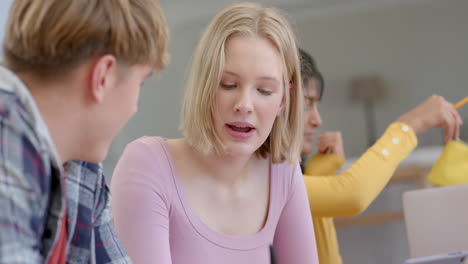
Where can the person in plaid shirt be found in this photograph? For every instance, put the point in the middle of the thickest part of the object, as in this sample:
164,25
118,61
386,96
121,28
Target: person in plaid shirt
70,81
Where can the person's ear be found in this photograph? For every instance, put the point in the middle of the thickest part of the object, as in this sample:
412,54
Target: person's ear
103,74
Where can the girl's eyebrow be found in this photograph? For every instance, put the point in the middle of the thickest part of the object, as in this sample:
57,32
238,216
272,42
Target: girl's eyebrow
263,78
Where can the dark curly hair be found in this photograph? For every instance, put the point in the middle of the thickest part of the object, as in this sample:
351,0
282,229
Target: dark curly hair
309,71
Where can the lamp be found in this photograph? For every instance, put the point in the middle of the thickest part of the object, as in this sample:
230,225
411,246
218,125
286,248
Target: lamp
368,89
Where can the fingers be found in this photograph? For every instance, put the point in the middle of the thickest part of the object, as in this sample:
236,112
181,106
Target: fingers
434,112
458,121
451,121
448,125
323,146
326,141
331,141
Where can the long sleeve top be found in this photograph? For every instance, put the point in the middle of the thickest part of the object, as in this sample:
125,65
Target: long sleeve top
156,223
352,191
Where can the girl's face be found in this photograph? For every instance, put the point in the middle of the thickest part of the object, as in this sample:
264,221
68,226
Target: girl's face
250,94
312,119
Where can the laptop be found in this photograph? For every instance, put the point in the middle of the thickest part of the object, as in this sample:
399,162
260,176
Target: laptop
436,220
450,258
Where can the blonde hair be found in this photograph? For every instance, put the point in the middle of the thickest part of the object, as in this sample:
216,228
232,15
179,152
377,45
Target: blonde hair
197,123
45,37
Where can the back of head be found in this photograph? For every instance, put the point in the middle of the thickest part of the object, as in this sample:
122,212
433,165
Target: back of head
248,19
49,37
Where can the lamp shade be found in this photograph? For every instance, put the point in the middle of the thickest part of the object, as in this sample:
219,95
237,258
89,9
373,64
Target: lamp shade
366,88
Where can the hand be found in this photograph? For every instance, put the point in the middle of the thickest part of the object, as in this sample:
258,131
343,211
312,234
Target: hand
434,112
331,141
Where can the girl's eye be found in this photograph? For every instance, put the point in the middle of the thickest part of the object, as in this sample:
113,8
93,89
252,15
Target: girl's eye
264,92
228,85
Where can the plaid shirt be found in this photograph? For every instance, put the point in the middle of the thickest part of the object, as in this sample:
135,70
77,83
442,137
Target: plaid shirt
32,193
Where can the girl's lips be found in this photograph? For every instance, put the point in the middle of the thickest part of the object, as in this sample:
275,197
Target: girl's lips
241,124
240,130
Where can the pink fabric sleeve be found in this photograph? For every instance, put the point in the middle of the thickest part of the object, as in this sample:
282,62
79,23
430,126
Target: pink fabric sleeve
140,204
294,240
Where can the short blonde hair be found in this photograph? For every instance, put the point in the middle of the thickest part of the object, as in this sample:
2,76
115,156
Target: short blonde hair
47,37
197,123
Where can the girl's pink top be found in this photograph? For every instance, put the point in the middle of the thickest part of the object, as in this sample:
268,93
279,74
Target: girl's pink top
156,223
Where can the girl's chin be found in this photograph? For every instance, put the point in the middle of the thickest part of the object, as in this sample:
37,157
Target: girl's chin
239,149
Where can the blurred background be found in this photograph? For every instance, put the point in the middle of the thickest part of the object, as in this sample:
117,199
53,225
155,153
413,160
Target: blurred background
414,48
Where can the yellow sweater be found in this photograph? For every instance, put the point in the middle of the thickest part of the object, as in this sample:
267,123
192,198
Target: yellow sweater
351,192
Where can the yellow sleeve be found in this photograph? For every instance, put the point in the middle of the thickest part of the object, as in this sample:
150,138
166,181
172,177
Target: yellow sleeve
352,191
323,164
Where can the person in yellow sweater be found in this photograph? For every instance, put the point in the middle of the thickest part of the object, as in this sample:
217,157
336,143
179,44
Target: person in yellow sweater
351,192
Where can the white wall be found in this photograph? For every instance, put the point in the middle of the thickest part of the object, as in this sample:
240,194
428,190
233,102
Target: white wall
4,7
